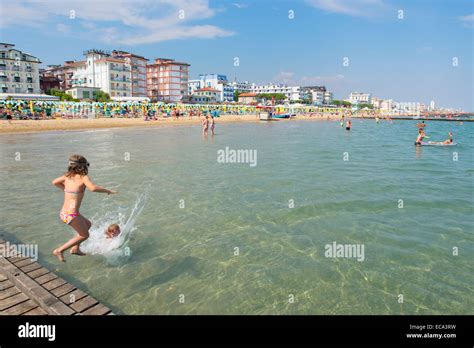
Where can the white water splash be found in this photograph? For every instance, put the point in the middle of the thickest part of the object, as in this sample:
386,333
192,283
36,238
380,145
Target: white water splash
115,250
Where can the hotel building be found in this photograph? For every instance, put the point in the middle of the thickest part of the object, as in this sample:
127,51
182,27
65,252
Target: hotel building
214,81
360,98
138,71
101,70
292,93
167,80
19,71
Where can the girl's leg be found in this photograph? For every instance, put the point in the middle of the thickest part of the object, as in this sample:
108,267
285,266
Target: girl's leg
81,226
75,249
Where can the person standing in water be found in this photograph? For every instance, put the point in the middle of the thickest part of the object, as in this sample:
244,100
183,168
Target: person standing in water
212,124
348,125
74,183
205,125
419,138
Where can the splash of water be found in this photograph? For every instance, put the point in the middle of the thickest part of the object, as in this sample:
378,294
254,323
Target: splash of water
115,250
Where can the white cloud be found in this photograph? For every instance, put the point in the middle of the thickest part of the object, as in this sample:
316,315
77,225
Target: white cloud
468,18
65,29
356,8
240,5
124,21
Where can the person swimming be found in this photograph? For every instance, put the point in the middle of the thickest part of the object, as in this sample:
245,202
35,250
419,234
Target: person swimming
73,184
448,141
112,231
421,125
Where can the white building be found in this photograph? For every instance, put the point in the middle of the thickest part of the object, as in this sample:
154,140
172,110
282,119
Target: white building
292,93
241,87
407,107
432,105
111,75
360,98
19,71
213,81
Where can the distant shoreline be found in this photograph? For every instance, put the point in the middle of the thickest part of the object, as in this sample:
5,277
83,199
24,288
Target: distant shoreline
34,126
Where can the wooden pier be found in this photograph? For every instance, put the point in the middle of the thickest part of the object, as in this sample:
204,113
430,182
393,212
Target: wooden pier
28,288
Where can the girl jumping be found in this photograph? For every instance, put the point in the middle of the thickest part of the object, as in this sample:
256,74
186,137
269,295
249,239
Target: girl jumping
74,183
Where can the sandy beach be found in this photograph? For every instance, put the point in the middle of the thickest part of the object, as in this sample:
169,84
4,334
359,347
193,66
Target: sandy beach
25,126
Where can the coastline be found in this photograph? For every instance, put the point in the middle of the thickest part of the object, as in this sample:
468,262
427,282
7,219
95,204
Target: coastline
34,126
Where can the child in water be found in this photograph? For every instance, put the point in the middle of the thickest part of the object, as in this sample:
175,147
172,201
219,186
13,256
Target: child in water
348,125
74,183
112,231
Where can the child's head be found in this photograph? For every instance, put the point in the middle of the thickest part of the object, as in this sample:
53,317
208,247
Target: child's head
112,231
77,165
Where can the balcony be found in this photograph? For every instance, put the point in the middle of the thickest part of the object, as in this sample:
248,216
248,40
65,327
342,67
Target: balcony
119,68
120,88
16,68
120,79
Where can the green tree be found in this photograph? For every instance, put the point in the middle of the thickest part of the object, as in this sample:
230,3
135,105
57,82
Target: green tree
236,95
362,106
336,102
101,96
269,96
61,94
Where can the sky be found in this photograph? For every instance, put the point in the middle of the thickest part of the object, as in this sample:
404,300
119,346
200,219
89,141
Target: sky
406,50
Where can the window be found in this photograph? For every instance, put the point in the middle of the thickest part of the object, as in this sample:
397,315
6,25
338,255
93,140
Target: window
85,94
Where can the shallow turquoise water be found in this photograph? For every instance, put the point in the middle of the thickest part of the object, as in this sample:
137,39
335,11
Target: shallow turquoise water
190,250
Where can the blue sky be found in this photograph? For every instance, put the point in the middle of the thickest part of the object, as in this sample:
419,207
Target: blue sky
407,59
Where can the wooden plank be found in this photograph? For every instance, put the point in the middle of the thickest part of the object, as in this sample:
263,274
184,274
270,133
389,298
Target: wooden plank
31,267
73,296
13,300
20,308
36,311
16,259
50,303
9,292
38,272
83,304
53,284
98,309
63,290
46,278
5,285
24,263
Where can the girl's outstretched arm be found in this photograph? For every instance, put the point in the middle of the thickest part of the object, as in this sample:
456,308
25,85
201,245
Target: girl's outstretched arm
95,188
59,182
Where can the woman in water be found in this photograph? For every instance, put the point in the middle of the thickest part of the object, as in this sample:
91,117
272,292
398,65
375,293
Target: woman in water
74,183
205,125
419,138
348,125
212,123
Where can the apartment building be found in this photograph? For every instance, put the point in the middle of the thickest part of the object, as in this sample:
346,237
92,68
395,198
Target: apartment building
167,80
19,71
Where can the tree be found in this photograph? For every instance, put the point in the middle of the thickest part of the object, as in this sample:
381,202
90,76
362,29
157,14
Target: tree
101,96
336,102
63,96
269,96
362,106
236,95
